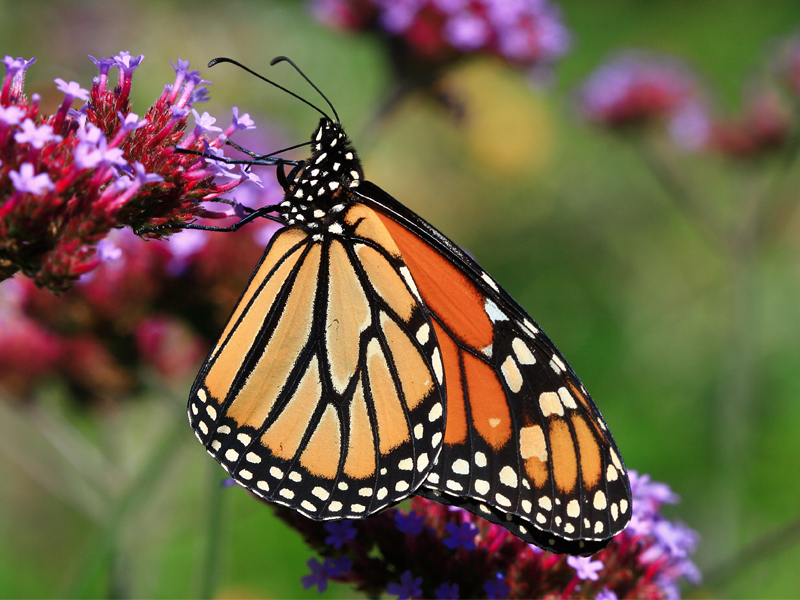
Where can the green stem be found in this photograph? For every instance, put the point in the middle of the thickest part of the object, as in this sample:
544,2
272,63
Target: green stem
736,393
98,558
213,542
682,197
779,203
759,551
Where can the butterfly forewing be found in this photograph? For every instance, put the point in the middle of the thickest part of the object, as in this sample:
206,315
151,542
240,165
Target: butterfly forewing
325,390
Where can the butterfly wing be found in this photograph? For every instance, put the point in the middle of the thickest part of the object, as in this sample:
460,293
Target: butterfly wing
325,390
525,446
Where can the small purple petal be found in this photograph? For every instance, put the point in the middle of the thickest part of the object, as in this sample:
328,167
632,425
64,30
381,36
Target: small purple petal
675,538
244,122
205,122
496,587
606,594
35,136
86,156
248,175
585,567
410,523
25,180
179,113
131,121
11,115
104,64
467,32
199,94
649,496
320,573
17,65
398,16
127,63
91,134
182,67
108,251
318,576
461,535
409,587
446,592
143,176
72,89
93,151
340,532
338,566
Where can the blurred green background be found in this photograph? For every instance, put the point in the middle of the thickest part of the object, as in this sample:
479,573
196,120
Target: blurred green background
693,359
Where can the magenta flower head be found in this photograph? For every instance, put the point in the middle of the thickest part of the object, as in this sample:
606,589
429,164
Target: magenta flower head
636,90
68,179
764,127
438,551
529,33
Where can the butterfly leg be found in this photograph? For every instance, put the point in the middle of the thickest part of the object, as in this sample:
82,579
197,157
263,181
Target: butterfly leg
254,214
263,161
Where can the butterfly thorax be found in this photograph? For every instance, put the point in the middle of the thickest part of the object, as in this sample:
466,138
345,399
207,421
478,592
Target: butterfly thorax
319,188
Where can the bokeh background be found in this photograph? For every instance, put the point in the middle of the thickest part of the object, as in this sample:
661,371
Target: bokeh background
690,347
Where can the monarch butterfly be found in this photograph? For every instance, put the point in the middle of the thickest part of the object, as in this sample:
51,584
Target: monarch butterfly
369,359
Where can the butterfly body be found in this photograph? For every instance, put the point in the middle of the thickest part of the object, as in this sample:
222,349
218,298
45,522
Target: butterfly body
370,359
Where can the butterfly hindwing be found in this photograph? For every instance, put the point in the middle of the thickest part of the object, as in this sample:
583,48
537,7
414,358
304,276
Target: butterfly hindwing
525,446
324,392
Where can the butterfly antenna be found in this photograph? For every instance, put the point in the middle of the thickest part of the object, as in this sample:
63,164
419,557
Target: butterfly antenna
222,59
279,59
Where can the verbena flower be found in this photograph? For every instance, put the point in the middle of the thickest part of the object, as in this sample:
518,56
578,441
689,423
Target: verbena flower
636,90
437,551
764,127
446,592
322,572
340,532
585,567
496,587
529,33
409,587
461,535
68,179
150,308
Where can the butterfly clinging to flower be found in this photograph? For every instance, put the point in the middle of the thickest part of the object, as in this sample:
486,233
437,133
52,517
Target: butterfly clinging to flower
370,359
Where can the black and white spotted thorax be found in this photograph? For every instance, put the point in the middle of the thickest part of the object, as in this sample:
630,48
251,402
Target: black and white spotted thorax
319,188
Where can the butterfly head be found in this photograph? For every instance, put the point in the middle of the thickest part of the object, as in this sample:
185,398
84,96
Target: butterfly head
322,183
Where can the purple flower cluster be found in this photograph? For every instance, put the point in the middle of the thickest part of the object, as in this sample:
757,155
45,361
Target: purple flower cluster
148,309
524,32
68,179
635,91
436,551
764,126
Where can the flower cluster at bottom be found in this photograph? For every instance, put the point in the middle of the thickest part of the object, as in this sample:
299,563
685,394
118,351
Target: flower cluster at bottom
437,551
